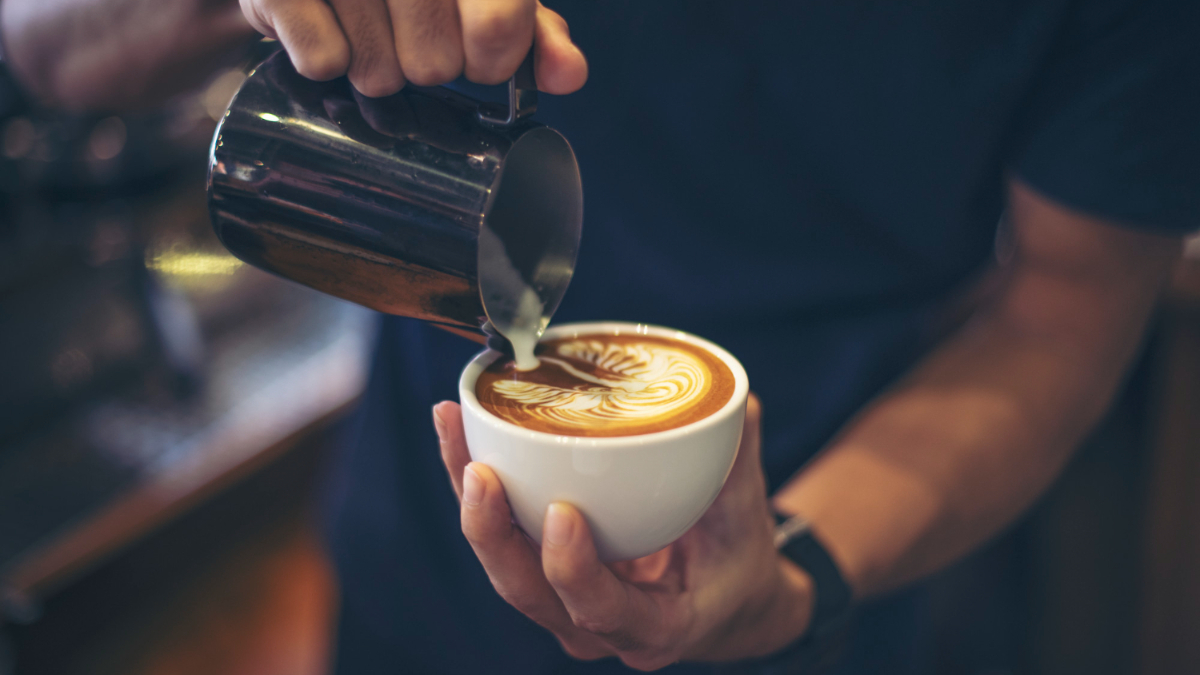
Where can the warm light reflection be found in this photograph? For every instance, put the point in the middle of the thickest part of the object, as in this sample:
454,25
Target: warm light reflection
194,264
269,117
220,92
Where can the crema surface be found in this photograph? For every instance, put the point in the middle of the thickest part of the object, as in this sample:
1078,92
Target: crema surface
608,385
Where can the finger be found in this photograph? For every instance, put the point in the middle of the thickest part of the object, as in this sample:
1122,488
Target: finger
428,40
309,32
625,616
374,70
447,420
559,65
497,35
509,560
647,569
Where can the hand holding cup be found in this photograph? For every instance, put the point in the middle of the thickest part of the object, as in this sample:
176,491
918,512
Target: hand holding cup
718,592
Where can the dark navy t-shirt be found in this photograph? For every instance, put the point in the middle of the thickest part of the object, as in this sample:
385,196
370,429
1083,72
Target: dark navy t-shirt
804,183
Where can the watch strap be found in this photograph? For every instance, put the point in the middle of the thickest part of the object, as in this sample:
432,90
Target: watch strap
833,596
819,648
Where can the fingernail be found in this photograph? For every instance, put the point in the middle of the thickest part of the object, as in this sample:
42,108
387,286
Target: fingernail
472,487
558,525
438,424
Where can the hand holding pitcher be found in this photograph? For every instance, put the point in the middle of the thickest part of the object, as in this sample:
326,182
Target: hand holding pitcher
382,44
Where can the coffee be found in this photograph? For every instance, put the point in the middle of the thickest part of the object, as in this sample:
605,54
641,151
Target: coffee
608,385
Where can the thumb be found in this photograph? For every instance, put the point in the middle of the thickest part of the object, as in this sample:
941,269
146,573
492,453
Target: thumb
560,67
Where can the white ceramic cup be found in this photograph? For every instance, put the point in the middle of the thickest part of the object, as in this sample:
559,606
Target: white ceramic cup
638,493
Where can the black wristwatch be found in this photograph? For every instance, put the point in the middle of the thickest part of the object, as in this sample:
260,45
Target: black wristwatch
818,649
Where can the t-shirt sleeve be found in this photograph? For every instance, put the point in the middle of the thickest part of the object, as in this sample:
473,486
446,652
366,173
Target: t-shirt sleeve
1112,123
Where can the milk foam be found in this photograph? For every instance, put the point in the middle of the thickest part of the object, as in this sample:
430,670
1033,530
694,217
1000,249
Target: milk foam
630,382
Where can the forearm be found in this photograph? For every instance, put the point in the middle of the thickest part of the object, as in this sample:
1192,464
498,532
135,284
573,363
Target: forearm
981,427
117,54
940,464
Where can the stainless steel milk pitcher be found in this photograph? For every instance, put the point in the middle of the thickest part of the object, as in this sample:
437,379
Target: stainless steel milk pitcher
426,204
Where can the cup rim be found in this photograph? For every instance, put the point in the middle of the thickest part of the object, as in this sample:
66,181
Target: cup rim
737,400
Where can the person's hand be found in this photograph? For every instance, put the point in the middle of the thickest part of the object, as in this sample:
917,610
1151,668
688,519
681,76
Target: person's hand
381,44
721,592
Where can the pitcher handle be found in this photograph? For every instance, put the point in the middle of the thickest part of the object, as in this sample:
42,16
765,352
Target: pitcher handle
522,97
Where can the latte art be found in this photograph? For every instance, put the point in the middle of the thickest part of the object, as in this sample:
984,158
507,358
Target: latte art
608,386
641,381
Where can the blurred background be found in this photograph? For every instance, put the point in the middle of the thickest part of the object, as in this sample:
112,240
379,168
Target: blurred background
166,413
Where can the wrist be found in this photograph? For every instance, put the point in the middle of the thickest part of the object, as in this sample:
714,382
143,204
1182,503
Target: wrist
787,629
813,606
796,602
786,614
775,616
836,534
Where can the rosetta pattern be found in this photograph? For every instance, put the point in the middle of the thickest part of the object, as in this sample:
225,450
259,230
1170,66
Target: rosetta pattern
630,383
